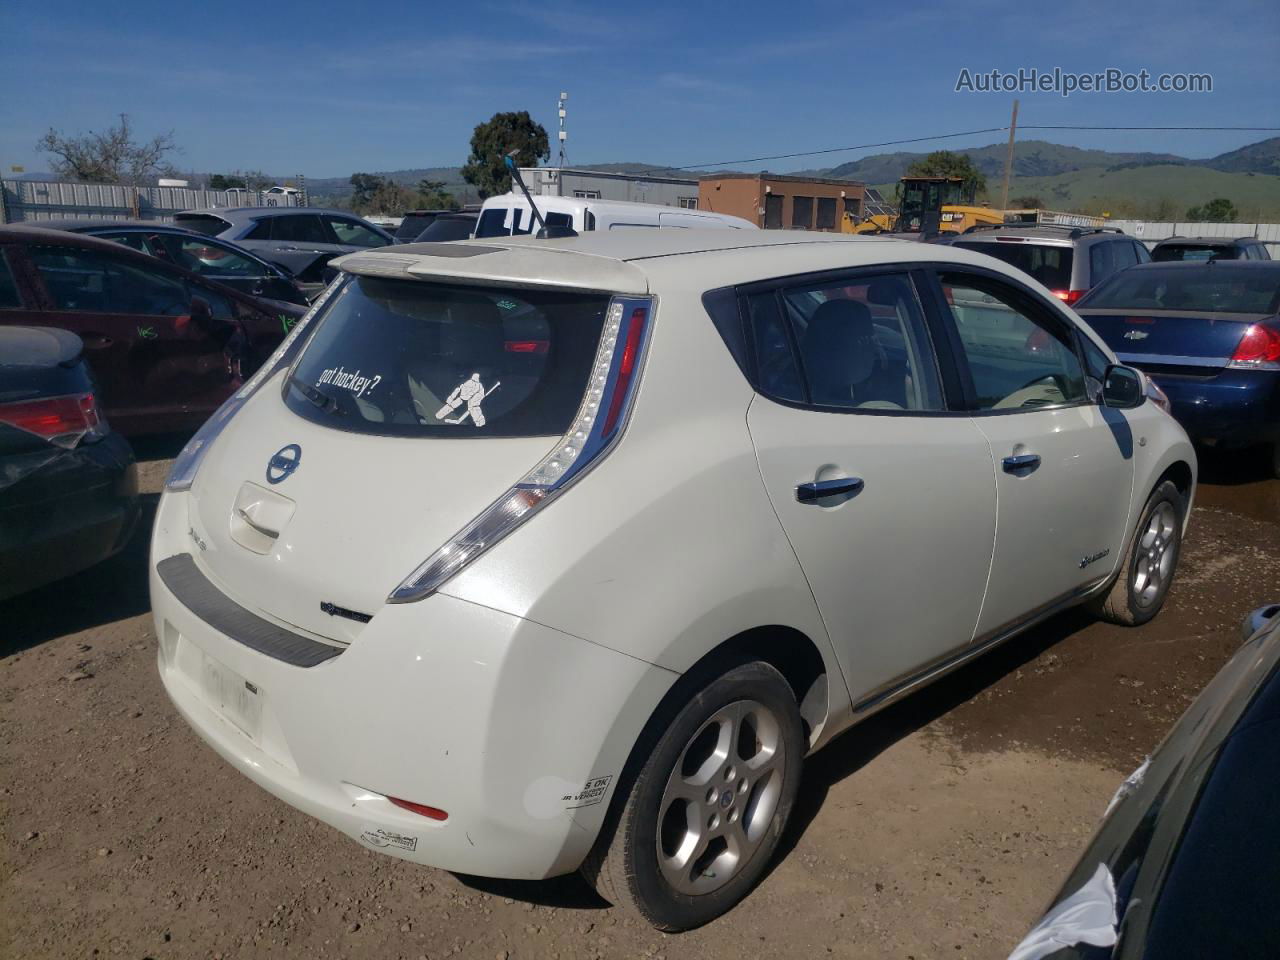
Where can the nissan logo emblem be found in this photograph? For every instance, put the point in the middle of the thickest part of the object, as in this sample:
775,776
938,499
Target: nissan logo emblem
283,462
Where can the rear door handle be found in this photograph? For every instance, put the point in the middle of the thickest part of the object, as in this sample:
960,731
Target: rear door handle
1023,461
820,489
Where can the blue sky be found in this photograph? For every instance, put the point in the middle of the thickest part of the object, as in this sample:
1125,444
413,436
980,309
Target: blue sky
326,89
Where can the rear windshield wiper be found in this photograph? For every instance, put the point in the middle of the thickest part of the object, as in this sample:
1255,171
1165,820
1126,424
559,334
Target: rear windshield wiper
317,397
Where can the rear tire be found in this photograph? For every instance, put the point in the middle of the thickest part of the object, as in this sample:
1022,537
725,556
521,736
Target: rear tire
1140,588
704,815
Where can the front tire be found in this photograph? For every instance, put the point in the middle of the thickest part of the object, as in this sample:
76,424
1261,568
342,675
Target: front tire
704,815
1143,582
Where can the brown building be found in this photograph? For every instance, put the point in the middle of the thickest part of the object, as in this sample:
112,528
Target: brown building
778,202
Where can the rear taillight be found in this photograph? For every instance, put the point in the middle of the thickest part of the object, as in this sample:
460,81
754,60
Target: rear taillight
185,465
611,388
1069,297
1259,348
63,421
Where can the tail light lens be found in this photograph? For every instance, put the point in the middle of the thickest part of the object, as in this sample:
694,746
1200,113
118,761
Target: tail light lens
1069,297
1259,348
591,436
63,421
421,809
185,465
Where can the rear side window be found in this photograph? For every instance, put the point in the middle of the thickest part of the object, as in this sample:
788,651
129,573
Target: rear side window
1047,264
1102,262
9,299
410,359
492,223
300,228
1019,357
776,368
202,223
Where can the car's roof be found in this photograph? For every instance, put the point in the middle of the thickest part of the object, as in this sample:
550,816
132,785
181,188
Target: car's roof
1207,241
1217,266
237,214
621,261
33,233
84,225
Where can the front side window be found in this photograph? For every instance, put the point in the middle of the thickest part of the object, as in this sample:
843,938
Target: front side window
86,281
862,345
355,234
1019,356
207,259
303,228
411,359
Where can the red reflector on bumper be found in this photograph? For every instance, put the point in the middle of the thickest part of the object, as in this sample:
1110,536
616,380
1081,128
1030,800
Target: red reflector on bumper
421,809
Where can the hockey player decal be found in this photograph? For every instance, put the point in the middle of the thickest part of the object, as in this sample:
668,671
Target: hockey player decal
470,392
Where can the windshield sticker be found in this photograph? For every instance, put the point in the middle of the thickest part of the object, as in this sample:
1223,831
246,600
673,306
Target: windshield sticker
469,392
357,384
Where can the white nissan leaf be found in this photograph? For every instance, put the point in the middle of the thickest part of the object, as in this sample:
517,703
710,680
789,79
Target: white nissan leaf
527,556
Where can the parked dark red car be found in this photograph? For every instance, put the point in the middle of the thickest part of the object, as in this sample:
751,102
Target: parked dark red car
166,346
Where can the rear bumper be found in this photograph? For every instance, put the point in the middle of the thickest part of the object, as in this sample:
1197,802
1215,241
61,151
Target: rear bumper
1236,408
501,722
72,510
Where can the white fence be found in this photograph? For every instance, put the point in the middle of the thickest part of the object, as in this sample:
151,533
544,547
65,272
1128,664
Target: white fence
27,201
1149,231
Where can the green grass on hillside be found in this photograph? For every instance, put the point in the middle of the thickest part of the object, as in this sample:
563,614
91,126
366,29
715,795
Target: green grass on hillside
1151,193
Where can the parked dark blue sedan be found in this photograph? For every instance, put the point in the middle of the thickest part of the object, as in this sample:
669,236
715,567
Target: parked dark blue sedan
1209,336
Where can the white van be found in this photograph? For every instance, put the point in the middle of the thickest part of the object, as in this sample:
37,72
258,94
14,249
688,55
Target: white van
509,215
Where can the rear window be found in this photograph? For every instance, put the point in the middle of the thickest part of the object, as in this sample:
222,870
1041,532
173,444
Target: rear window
410,359
411,226
202,223
1049,265
447,228
1194,251
1204,289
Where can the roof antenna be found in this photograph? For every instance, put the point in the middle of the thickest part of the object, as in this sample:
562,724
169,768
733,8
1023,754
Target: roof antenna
544,232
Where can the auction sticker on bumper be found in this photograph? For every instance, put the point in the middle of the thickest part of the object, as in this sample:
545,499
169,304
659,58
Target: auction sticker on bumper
232,695
382,837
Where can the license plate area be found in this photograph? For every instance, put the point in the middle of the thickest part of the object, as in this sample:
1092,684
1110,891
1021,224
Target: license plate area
238,700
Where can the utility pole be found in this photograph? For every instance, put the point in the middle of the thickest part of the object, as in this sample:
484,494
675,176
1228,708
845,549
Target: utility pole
564,135
1008,160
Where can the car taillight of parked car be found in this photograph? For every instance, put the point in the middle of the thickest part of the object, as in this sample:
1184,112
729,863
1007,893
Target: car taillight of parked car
599,422
1069,297
1259,348
63,421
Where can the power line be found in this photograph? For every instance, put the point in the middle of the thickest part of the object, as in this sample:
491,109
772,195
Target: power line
948,136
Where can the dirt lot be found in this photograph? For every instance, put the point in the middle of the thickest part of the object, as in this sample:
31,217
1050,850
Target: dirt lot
937,829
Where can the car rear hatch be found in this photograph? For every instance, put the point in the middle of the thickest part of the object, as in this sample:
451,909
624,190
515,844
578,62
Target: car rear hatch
1182,319
413,407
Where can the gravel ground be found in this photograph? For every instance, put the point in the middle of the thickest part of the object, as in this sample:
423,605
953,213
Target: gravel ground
937,829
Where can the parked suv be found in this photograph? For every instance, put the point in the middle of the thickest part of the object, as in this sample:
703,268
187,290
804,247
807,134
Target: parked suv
526,556
1209,248
1070,261
301,239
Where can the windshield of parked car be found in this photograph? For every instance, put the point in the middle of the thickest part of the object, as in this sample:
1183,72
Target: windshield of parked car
1046,263
412,359
1207,289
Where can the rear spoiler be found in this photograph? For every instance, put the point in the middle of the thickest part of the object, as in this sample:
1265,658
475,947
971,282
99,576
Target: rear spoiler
534,263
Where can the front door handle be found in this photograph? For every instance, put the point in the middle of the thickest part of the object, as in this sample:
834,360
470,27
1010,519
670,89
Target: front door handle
820,489
1023,461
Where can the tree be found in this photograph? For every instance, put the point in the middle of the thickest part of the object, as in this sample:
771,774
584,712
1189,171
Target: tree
363,187
944,163
391,199
492,141
112,156
433,196
219,181
1217,210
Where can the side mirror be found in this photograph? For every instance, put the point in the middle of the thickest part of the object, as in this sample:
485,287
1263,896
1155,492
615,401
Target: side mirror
1258,619
1122,387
